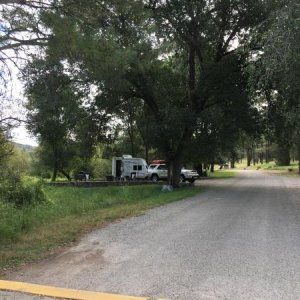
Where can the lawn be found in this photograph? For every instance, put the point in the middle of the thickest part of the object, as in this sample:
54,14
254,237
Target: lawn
272,167
33,233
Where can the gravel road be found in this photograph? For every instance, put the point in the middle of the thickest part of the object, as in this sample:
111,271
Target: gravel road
239,239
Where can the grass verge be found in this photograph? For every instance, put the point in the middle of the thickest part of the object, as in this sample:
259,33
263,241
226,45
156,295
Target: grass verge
30,234
273,168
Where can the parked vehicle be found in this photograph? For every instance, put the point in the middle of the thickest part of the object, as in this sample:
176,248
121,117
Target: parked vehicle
160,172
82,176
157,172
128,167
188,175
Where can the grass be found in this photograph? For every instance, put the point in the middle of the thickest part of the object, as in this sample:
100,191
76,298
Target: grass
272,167
33,233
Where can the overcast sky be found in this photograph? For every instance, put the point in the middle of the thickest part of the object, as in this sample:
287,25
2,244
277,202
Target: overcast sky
21,136
14,107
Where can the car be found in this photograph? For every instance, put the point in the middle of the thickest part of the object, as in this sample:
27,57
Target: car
188,175
160,172
157,172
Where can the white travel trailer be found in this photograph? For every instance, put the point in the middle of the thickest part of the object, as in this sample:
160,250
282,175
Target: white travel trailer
128,167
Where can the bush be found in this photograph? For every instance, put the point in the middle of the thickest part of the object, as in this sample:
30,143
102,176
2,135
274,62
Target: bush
10,222
19,193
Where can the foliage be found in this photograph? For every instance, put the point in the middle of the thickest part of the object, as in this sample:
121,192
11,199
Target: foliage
165,68
52,110
101,166
15,191
171,59
221,128
6,149
276,77
19,162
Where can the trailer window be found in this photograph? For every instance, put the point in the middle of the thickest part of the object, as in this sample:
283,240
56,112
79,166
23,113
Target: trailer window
135,167
140,168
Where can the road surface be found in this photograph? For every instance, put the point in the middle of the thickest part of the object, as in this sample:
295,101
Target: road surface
239,239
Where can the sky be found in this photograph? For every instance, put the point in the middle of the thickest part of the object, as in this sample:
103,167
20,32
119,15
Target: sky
14,107
22,136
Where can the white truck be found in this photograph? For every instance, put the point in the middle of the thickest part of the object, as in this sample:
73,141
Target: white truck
128,167
160,172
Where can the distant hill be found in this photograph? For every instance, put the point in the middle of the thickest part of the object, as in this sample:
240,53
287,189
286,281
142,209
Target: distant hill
26,148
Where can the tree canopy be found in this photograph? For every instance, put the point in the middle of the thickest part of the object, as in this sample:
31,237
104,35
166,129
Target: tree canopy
175,72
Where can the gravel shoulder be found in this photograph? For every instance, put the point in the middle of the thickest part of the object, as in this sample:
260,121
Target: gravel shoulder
239,239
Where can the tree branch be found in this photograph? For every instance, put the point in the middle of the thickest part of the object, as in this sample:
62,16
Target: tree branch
13,119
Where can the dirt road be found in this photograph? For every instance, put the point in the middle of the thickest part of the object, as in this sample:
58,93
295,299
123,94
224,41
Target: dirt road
239,239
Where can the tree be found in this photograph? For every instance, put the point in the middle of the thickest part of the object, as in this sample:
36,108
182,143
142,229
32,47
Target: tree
204,34
21,31
52,112
277,76
66,121
6,149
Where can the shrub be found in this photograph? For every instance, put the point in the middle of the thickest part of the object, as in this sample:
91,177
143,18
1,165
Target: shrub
10,222
19,193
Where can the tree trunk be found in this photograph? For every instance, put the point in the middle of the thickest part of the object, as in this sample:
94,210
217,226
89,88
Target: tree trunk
212,167
65,174
55,163
249,157
261,157
54,174
192,71
146,153
232,163
131,129
175,156
299,158
233,158
283,155
199,169
174,173
268,158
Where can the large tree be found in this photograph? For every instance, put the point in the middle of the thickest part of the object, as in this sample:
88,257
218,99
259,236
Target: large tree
277,77
52,112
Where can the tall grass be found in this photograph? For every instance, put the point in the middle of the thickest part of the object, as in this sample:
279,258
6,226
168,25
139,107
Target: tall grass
26,234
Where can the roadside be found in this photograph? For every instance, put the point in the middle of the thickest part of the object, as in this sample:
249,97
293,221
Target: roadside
271,168
30,234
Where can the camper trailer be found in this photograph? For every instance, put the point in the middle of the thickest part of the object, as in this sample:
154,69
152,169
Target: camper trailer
128,167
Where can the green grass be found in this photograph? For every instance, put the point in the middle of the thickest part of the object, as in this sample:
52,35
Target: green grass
272,167
32,233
